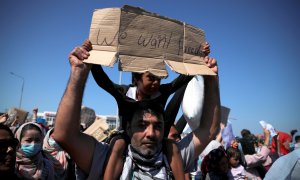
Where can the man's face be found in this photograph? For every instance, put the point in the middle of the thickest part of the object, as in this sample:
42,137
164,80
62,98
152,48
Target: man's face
8,147
147,134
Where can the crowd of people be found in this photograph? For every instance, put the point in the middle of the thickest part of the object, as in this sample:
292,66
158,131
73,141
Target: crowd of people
149,143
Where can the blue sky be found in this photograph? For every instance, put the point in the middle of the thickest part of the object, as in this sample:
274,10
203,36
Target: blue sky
256,44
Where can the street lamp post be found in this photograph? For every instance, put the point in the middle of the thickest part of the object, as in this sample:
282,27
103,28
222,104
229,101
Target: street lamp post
118,118
23,81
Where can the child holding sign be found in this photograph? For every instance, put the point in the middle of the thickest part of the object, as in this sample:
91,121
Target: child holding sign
146,87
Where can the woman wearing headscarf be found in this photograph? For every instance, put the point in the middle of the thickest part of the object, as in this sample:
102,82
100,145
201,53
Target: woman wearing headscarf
58,157
30,162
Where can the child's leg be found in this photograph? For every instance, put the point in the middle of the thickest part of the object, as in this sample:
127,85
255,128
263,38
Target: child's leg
115,162
175,160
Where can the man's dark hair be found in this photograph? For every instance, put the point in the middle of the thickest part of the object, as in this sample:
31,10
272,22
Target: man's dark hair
297,138
148,107
139,108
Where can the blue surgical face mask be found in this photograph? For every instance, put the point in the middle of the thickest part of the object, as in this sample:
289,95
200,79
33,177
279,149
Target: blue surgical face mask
31,149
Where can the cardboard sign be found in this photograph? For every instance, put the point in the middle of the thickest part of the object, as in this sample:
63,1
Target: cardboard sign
99,129
145,41
16,116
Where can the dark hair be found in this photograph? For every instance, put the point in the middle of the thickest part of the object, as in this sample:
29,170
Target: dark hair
245,132
135,77
4,127
247,143
28,127
216,155
211,161
137,109
148,107
297,138
233,152
260,140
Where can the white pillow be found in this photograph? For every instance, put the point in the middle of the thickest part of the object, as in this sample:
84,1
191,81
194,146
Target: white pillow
192,102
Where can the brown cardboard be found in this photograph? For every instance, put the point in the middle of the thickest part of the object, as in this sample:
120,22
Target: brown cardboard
99,129
16,116
145,41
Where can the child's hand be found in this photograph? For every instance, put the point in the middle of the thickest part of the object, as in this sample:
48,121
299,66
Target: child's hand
211,63
206,49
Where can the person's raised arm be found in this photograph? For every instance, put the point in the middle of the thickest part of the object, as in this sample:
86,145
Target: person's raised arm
267,137
211,116
67,126
259,158
219,135
104,82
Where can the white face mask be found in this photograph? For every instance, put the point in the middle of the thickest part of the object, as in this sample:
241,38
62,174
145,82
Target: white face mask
257,149
53,143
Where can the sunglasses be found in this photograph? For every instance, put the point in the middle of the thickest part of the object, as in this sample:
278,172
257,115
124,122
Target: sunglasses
5,143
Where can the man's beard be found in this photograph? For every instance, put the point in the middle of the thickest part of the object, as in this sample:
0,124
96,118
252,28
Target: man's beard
147,153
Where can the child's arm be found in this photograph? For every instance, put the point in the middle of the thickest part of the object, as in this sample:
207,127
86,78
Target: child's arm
104,82
175,160
219,136
172,110
115,162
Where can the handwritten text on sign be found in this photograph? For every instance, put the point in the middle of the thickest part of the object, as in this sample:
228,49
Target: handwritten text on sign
145,41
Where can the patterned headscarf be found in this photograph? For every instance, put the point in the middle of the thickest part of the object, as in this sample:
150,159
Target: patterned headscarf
137,166
57,155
